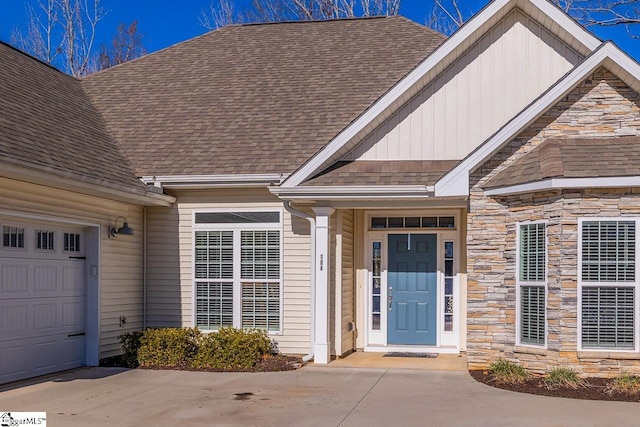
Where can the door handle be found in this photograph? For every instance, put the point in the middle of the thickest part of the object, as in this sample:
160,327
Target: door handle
390,299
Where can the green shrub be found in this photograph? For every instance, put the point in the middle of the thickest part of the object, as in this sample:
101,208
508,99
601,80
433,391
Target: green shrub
232,349
625,384
563,377
507,372
130,344
168,347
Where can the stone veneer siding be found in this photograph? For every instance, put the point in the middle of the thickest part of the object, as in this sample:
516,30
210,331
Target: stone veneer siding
602,106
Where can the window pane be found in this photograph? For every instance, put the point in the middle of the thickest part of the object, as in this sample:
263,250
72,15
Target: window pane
260,255
12,237
375,285
532,315
378,222
214,255
532,253
608,317
446,222
396,222
237,217
261,306
608,251
214,305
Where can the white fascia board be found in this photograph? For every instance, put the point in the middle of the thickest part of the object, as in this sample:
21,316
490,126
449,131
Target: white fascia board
445,49
456,181
354,192
565,21
69,182
212,181
566,183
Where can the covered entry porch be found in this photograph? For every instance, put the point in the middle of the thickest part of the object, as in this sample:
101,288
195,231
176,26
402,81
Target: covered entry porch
387,276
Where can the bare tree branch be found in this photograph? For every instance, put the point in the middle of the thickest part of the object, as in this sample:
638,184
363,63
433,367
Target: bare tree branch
221,12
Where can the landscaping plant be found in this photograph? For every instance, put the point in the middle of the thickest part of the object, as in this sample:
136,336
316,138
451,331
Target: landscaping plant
130,344
625,384
563,377
506,372
232,349
168,347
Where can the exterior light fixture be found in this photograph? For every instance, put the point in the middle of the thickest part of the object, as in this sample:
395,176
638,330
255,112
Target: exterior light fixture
124,230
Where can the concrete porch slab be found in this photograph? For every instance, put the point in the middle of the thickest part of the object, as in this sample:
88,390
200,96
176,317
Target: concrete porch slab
361,359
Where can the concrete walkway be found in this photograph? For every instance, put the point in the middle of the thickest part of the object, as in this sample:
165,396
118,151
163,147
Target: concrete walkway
307,397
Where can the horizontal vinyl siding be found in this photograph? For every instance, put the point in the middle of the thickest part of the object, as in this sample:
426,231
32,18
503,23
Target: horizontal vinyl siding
170,262
348,314
471,99
121,259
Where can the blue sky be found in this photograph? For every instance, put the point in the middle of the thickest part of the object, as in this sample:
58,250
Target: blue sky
166,22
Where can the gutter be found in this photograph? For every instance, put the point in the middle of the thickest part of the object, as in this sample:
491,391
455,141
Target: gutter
359,192
312,296
63,180
144,268
214,181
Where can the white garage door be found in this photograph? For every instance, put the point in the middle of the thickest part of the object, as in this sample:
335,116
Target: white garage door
42,299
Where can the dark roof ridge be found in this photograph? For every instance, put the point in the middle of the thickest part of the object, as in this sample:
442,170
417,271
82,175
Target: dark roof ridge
251,24
28,55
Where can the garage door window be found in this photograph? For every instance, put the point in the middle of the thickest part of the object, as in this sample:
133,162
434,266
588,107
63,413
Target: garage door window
44,240
12,237
71,242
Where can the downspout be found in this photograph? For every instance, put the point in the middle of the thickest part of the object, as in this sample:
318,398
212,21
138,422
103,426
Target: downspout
144,268
312,296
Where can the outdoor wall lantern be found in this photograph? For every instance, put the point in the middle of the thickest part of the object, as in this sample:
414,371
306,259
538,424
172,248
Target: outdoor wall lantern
124,230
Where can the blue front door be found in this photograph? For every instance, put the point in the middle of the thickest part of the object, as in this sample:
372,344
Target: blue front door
412,289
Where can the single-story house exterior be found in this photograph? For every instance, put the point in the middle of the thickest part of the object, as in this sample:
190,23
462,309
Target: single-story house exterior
345,185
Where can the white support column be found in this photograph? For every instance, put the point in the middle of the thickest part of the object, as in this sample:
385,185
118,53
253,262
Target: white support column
322,353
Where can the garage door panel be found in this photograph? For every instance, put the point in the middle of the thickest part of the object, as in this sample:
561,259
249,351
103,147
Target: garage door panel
72,348
15,319
73,315
14,361
45,278
14,280
44,354
45,316
72,279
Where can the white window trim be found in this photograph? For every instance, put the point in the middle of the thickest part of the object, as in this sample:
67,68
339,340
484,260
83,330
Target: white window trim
237,280
26,237
521,283
636,329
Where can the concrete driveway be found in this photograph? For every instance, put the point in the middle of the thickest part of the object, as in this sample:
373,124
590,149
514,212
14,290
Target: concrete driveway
312,396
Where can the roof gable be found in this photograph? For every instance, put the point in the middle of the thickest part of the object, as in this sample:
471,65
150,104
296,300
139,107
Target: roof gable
403,91
456,182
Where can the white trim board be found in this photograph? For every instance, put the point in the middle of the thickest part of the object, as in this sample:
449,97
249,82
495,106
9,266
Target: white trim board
371,192
209,181
569,183
456,182
404,88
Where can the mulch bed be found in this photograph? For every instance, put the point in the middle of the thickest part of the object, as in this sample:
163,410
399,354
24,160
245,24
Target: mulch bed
596,389
271,363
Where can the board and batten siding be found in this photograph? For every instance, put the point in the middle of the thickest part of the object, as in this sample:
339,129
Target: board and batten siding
121,260
341,283
170,261
498,76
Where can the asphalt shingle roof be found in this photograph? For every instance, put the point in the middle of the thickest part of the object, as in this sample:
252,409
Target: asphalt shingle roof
573,158
47,121
363,172
253,98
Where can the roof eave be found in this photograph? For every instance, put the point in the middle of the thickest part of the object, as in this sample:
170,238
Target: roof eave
564,184
194,182
84,185
385,192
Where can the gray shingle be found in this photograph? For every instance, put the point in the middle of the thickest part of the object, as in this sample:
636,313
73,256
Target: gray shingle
573,158
46,120
362,172
254,98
